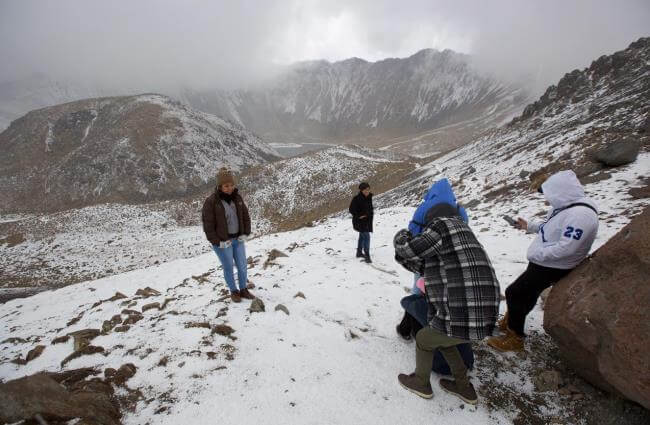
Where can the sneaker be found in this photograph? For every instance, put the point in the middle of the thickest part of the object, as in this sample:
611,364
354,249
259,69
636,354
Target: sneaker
467,394
247,295
508,342
413,384
235,297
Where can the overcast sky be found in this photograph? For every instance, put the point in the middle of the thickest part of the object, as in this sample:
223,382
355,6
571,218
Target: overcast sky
214,43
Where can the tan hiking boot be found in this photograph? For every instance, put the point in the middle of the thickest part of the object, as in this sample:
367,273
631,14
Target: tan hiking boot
235,297
508,342
503,323
466,393
247,295
413,384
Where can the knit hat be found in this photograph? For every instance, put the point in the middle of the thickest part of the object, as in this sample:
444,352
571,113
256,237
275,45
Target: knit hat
225,176
363,186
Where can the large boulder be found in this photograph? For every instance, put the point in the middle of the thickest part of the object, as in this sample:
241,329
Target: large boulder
599,314
43,395
619,153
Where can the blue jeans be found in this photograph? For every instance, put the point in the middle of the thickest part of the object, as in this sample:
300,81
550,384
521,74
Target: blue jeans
234,253
364,242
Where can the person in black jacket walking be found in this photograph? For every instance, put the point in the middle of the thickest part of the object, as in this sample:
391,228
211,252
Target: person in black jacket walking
362,213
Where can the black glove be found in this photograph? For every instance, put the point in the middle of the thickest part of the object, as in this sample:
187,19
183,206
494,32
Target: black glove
402,237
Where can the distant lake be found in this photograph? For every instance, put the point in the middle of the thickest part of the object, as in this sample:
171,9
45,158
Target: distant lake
288,150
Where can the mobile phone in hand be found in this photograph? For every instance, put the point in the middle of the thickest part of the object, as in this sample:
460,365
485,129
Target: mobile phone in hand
510,221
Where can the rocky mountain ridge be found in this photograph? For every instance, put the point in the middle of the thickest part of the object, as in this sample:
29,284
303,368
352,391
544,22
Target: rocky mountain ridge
359,101
120,149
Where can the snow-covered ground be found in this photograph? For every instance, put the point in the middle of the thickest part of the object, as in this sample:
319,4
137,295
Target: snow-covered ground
334,359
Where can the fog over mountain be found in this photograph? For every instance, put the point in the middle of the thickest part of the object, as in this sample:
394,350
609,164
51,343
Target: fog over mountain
161,45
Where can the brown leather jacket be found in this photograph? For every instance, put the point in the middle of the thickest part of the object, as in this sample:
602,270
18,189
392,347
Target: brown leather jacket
214,218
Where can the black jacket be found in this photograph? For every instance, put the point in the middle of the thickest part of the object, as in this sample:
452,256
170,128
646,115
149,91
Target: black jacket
362,206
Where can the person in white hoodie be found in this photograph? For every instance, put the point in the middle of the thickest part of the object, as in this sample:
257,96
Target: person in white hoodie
563,240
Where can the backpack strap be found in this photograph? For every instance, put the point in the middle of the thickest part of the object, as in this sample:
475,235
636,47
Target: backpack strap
577,204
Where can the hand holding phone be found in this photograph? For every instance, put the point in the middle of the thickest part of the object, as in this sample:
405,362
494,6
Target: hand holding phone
511,221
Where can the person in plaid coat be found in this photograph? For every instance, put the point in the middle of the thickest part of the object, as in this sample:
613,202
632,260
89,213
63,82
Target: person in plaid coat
462,291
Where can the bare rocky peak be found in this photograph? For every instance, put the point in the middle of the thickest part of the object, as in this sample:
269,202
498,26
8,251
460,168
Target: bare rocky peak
356,100
124,149
590,114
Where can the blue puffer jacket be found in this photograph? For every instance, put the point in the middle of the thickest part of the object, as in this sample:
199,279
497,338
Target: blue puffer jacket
440,192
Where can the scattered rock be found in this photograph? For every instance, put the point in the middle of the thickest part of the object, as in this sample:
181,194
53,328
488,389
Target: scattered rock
150,306
167,301
129,312
273,255
34,353
257,306
300,295
117,296
14,340
123,374
281,307
133,319
523,174
60,339
250,285
204,325
163,361
619,153
84,351
548,380
599,327
74,320
83,337
147,292
122,328
224,330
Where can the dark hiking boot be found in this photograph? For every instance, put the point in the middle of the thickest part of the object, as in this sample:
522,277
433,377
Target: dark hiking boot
359,253
405,337
244,293
367,259
465,393
404,327
413,384
235,297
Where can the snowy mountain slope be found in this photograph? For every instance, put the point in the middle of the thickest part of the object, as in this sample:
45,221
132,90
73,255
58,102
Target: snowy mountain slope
603,105
363,102
52,250
38,91
125,149
334,359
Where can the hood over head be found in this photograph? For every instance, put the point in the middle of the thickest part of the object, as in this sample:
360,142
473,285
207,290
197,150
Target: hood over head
563,188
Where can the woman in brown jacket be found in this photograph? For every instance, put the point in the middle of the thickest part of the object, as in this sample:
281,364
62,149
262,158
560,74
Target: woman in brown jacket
227,225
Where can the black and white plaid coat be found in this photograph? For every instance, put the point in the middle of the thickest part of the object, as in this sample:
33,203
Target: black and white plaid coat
460,284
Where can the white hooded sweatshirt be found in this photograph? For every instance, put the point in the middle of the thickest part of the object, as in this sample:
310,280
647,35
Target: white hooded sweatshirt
565,237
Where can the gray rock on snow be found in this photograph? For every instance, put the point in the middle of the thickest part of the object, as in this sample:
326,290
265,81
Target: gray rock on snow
257,306
619,153
281,307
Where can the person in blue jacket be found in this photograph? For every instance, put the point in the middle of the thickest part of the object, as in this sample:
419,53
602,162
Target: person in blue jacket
439,193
